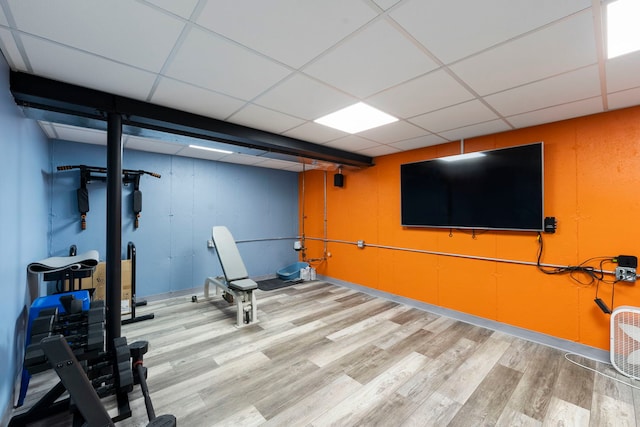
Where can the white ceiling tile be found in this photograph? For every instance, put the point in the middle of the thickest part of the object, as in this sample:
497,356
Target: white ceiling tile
258,117
479,129
372,60
10,51
69,65
426,93
386,4
556,49
532,61
273,164
557,113
183,8
352,143
316,164
295,167
623,99
314,132
183,96
381,150
562,89
318,100
79,134
242,159
125,31
454,29
212,62
152,145
457,116
393,132
623,72
420,142
289,31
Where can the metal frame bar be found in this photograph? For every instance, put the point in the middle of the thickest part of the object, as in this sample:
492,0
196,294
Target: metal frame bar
114,227
51,100
75,380
241,298
448,254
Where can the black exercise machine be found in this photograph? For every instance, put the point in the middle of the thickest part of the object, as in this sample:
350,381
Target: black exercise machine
135,302
109,371
73,344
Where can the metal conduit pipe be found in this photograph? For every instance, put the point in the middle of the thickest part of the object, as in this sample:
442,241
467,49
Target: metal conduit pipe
267,239
324,251
325,226
474,257
304,174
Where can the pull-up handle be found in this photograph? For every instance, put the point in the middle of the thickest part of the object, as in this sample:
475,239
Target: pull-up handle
88,173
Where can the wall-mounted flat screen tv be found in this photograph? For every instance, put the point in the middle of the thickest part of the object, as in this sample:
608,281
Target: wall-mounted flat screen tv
499,189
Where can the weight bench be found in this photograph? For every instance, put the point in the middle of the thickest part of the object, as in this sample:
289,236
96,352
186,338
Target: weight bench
235,284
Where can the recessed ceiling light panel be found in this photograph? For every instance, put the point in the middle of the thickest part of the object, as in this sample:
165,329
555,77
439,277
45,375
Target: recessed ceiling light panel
623,30
356,118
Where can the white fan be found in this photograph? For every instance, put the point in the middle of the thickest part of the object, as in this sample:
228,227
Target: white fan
625,340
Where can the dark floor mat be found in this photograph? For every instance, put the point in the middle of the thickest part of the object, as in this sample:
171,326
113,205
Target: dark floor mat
271,284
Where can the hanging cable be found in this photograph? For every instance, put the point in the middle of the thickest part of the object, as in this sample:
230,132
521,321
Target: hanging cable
594,275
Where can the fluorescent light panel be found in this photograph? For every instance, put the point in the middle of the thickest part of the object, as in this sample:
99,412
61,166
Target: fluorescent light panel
217,150
623,28
458,157
356,118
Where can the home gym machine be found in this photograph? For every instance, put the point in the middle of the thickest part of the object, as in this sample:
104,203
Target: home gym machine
71,341
116,366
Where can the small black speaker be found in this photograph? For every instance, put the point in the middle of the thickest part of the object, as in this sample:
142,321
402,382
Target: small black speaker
338,180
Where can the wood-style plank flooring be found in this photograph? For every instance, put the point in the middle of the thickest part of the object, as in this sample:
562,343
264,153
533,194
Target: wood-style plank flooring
324,355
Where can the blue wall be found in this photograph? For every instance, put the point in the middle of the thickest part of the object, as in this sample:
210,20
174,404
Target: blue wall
39,218
24,232
178,212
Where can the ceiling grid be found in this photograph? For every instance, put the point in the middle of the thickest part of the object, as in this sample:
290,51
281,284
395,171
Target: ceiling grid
447,70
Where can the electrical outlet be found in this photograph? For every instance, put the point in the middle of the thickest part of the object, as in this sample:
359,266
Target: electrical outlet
360,244
626,274
210,243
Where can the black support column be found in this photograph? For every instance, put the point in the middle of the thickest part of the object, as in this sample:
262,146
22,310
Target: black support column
114,227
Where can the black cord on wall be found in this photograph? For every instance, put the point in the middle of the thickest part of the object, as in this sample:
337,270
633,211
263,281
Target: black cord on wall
578,272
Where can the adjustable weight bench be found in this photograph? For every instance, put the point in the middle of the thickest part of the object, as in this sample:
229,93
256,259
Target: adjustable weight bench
235,284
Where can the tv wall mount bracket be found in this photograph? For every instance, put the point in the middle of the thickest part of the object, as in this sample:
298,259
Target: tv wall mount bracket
93,173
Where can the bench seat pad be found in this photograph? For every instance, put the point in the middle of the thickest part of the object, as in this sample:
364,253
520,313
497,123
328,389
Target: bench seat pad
243,284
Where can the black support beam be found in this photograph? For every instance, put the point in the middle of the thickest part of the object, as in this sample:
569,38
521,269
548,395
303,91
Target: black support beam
51,100
114,227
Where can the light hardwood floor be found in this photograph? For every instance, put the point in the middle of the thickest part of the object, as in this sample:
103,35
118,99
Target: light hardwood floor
326,355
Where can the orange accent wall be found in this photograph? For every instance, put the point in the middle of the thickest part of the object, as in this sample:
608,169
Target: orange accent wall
592,178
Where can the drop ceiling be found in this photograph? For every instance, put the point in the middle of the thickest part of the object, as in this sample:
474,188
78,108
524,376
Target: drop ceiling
449,70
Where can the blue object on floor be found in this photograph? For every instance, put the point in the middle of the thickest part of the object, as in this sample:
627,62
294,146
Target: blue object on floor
40,304
50,301
292,272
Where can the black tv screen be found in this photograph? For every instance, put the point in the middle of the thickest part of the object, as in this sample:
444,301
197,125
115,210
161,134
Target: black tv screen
502,190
